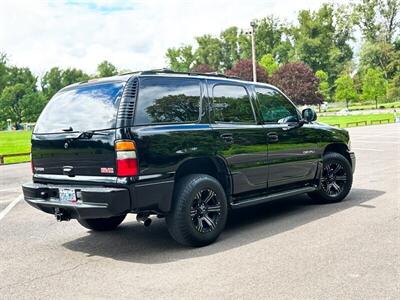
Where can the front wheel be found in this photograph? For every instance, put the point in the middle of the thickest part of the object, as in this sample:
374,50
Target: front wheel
199,211
336,179
102,224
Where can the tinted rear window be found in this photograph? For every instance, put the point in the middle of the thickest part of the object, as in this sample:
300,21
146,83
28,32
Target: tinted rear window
168,100
82,108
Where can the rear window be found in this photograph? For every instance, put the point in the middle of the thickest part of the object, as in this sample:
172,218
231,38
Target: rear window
168,100
82,108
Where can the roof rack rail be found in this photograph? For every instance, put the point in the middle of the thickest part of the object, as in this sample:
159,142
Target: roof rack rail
168,71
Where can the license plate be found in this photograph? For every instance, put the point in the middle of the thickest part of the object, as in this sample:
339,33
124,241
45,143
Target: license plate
67,195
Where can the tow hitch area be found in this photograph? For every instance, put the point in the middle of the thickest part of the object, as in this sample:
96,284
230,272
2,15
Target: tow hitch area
61,215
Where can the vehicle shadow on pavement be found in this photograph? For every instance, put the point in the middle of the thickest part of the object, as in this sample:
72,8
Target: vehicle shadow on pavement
133,242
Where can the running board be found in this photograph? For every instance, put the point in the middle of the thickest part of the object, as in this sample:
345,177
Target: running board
267,198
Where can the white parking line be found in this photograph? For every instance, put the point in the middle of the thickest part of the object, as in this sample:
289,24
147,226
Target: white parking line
367,149
9,207
9,189
375,142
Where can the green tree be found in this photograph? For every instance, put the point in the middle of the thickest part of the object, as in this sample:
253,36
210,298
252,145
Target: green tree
378,19
272,36
17,75
389,11
180,59
209,51
269,64
380,55
323,87
393,90
230,52
52,82
32,105
55,79
19,103
106,69
72,75
367,19
374,85
345,90
322,39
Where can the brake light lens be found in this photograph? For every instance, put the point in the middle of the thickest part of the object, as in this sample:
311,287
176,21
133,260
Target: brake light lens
127,163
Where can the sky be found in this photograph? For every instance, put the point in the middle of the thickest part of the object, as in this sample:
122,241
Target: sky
131,34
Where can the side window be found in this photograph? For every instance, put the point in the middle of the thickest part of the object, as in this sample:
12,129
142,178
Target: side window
275,108
231,103
168,100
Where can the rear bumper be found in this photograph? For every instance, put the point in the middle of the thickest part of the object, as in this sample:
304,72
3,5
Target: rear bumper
353,161
94,201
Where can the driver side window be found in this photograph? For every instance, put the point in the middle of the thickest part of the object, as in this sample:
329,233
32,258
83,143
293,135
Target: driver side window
275,108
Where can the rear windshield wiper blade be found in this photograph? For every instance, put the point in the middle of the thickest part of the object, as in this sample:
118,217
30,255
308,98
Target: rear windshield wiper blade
87,134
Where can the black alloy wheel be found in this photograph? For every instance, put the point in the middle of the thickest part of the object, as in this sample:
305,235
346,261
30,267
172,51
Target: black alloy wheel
336,179
333,179
205,211
199,211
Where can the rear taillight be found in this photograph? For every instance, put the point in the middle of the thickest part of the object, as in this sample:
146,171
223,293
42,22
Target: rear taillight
127,164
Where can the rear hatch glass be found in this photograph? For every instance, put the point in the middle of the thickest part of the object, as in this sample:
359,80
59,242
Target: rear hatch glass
90,107
57,141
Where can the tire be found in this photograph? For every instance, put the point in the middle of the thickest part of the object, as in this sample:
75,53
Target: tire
336,179
102,224
199,211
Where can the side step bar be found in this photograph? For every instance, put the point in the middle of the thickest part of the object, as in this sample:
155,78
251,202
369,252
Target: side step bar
267,198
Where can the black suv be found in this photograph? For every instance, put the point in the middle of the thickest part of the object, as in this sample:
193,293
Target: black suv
185,146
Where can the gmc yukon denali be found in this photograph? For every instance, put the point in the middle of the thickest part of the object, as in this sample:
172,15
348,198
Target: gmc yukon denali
188,147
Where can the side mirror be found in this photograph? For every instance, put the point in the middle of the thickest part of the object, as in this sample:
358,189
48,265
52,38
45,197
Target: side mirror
309,114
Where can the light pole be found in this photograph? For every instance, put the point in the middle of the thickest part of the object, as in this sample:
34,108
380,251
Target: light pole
253,48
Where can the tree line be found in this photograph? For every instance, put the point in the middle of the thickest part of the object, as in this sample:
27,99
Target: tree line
317,59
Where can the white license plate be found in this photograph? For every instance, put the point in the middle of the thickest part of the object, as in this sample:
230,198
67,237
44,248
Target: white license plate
67,195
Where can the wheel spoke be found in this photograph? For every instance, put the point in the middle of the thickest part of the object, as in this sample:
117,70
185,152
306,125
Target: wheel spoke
193,212
329,188
214,208
209,221
336,186
210,195
198,196
337,169
200,224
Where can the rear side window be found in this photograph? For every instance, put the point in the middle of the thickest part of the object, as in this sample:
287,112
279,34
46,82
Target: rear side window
81,108
275,108
168,100
231,104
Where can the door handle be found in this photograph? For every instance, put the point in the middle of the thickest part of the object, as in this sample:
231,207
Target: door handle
227,137
272,137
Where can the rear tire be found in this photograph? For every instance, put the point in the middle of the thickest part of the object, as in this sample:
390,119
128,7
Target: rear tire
336,179
102,224
199,211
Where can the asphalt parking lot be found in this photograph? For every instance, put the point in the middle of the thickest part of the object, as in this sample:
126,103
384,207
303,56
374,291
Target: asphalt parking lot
287,249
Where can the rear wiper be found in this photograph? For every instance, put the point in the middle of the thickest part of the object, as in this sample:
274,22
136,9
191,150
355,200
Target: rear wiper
86,135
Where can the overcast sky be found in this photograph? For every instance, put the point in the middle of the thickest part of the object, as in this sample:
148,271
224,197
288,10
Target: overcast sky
131,34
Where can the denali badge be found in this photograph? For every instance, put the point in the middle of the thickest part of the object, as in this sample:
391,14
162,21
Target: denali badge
107,170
